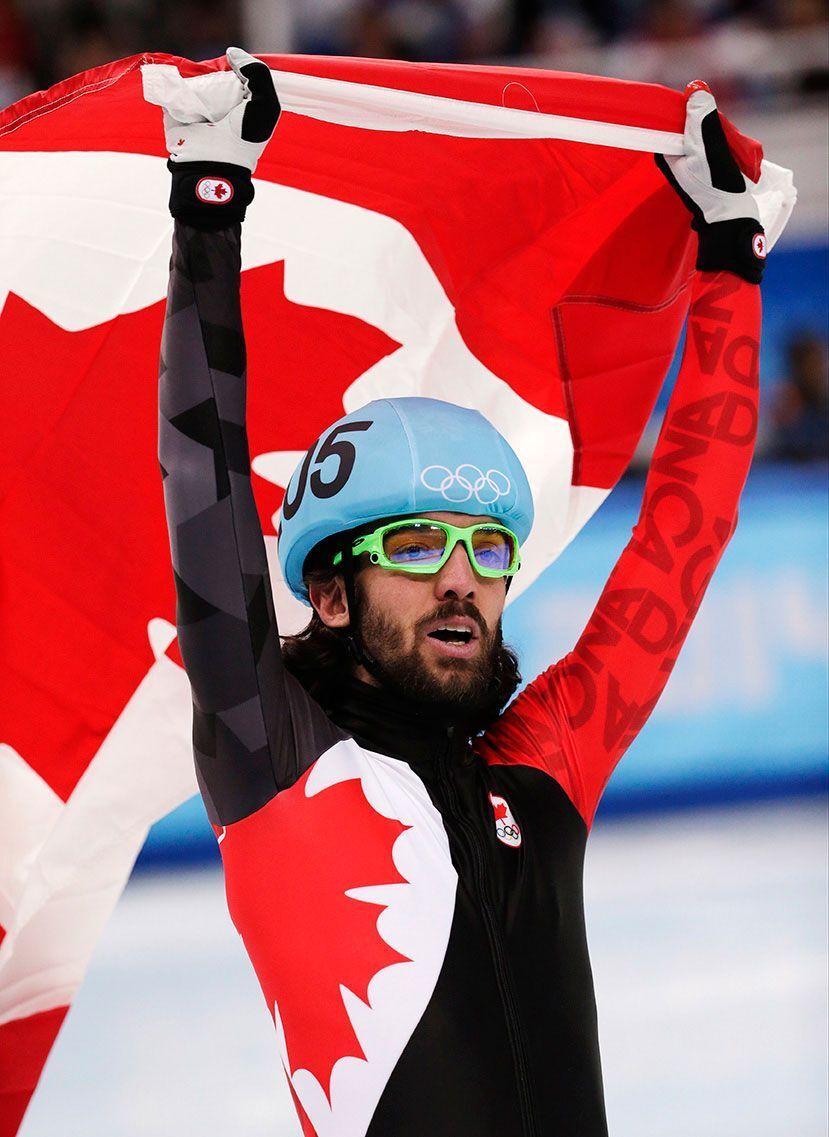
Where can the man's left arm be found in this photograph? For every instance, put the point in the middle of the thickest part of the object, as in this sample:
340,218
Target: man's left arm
606,688
578,718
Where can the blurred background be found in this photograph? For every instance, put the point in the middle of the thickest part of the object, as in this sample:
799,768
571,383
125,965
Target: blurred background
707,876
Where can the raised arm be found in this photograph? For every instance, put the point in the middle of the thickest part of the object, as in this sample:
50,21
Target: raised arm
578,718
226,625
606,688
244,703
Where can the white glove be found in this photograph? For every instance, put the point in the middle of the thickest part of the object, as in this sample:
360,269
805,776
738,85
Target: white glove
216,133
197,133
713,187
707,171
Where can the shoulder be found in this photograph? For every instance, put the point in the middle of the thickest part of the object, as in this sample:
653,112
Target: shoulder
529,730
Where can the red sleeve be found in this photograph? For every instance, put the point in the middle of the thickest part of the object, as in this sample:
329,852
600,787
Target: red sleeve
576,720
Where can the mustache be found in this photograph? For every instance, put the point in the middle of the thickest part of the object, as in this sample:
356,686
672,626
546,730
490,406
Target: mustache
452,608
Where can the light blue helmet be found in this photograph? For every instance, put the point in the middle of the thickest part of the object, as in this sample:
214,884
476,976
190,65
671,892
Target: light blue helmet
398,458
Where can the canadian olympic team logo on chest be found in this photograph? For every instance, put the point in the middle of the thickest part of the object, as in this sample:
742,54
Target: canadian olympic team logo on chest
507,829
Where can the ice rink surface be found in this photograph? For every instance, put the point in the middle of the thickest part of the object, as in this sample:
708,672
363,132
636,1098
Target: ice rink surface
708,936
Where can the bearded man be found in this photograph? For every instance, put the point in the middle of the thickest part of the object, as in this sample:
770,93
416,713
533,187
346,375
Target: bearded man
403,856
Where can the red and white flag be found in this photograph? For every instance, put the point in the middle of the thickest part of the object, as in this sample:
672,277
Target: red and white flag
496,237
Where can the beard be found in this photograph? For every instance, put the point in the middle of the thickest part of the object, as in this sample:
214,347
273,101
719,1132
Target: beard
464,689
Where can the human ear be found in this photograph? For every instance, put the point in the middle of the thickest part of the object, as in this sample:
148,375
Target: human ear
330,601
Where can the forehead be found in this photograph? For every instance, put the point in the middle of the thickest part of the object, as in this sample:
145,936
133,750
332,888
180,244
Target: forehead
459,519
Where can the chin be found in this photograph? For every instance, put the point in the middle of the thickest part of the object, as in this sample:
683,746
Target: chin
448,669
457,681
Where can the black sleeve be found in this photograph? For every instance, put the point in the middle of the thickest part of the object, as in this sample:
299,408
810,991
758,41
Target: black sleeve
255,730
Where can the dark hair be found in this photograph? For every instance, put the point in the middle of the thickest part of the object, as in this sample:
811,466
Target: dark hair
319,656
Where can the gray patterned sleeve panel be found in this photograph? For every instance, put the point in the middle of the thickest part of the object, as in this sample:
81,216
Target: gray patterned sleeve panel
255,730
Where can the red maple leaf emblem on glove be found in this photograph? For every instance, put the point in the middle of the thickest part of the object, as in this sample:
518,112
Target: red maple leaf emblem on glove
219,191
289,868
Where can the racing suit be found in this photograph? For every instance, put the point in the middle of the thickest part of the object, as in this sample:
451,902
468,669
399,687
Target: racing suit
411,898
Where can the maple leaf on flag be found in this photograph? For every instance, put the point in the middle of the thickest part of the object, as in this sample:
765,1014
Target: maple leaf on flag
86,555
311,937
63,462
63,466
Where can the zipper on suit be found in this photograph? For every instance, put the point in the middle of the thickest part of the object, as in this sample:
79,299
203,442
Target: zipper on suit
499,958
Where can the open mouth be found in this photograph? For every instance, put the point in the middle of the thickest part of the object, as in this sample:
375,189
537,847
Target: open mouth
450,635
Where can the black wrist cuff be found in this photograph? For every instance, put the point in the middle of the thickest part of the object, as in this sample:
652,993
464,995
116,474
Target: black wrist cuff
732,246
209,195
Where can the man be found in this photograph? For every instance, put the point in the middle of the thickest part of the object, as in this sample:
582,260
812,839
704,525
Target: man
403,857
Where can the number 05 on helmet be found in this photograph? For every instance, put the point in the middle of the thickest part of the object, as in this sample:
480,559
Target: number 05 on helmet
400,458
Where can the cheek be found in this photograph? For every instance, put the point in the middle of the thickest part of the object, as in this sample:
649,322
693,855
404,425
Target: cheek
398,598
491,602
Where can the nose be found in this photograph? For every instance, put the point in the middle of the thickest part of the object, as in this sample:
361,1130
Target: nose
457,579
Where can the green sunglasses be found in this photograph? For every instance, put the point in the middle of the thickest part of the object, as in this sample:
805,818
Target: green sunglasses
419,545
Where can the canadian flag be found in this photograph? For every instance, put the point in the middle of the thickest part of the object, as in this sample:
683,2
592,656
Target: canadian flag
496,237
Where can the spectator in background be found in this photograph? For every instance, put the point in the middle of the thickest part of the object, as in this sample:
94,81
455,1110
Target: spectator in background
808,15
669,21
88,38
201,29
15,55
800,416
421,30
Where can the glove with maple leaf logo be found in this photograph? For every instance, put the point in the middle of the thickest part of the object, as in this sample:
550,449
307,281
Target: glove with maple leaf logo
712,186
216,129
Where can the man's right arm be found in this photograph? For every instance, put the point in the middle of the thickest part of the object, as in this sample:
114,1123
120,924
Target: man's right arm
255,730
226,624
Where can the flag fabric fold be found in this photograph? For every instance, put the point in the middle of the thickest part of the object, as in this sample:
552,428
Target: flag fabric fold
496,237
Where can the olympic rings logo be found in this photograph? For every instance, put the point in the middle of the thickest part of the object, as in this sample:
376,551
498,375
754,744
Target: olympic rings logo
466,482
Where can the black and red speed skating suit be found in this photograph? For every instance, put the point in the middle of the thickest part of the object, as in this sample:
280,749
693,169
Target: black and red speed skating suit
411,900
